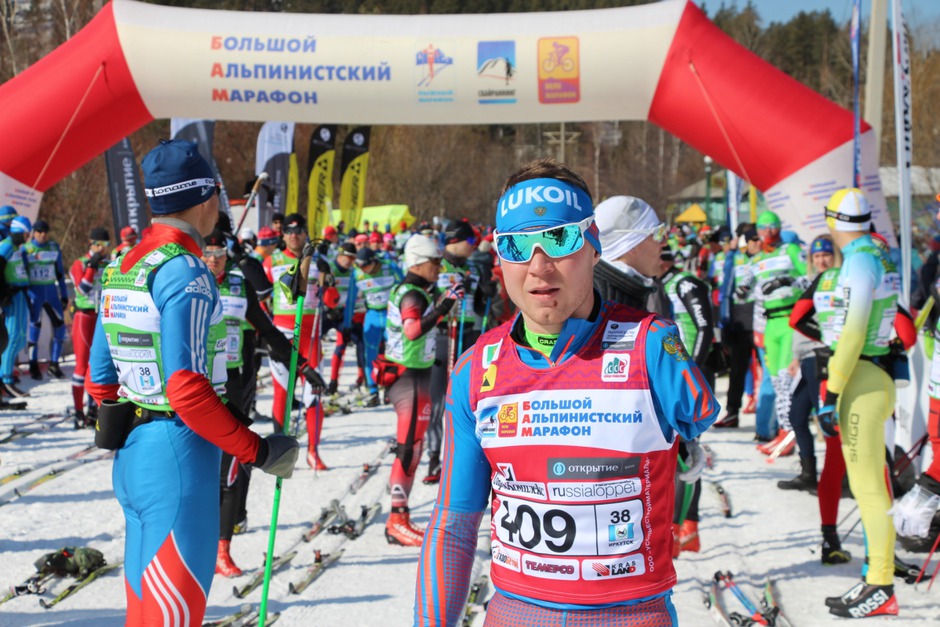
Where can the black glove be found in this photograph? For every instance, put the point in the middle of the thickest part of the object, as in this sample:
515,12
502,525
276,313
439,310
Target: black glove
309,250
741,292
323,266
772,286
277,455
324,248
94,261
65,302
313,378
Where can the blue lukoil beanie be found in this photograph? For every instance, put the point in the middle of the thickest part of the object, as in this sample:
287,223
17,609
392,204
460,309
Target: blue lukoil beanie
536,204
176,177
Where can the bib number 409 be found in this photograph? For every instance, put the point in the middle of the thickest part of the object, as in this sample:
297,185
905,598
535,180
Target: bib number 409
522,525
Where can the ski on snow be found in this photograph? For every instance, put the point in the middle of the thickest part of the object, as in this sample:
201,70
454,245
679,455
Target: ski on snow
21,432
767,612
246,616
57,470
320,563
723,499
81,583
257,578
372,467
35,584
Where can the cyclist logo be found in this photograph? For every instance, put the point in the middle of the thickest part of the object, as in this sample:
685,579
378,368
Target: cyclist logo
434,85
559,77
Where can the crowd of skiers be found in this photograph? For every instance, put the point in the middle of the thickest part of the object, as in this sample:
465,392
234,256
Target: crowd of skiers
801,330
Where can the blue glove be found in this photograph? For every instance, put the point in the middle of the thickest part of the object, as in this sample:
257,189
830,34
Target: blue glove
828,415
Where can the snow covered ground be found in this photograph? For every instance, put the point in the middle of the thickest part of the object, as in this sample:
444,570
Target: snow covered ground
770,535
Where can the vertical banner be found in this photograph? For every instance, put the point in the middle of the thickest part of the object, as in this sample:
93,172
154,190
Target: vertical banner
352,189
320,177
275,145
857,128
202,132
125,188
734,199
293,185
904,141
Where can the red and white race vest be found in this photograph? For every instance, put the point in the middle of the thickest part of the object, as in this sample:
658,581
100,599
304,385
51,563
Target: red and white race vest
583,478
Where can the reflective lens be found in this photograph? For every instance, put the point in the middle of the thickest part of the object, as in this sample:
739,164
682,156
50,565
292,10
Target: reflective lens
214,253
294,230
556,242
100,243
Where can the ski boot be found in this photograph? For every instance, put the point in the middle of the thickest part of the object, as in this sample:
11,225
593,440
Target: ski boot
10,389
54,370
806,480
240,527
730,421
768,447
832,552
34,373
314,461
332,388
224,565
434,470
688,537
79,419
864,600
399,529
371,400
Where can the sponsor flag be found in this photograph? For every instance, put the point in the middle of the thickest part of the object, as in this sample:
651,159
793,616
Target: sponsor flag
125,188
320,177
903,125
203,133
275,146
352,189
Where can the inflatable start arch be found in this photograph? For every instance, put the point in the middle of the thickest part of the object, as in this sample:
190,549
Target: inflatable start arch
664,62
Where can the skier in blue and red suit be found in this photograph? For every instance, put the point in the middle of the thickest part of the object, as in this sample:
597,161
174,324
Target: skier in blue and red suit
151,348
571,413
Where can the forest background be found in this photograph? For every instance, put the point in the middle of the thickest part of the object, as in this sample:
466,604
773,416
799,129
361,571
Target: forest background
455,171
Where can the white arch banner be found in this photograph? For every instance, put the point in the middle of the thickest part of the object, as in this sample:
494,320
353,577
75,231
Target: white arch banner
663,62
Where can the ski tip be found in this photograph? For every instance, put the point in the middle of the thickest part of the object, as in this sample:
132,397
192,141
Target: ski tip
291,589
237,593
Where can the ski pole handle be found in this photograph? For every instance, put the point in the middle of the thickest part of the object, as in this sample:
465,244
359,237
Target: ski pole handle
251,198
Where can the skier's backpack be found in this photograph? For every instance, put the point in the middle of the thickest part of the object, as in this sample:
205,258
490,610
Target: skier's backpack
71,560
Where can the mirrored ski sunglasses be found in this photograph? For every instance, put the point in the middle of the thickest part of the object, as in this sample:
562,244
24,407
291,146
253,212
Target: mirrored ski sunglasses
556,242
658,232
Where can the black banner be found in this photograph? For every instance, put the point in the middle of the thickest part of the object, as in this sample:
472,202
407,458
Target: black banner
125,188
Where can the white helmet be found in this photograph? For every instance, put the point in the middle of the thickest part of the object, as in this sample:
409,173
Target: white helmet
421,248
246,234
848,210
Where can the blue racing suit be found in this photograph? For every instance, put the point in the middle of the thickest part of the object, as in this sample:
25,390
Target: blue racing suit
47,293
150,346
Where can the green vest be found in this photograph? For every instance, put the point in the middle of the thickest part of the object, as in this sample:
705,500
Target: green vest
42,262
281,262
831,307
450,275
131,322
342,277
234,308
91,301
375,288
417,353
15,271
688,332
744,274
778,263
718,268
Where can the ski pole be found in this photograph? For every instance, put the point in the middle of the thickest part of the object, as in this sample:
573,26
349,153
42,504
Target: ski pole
486,312
687,495
298,290
926,562
451,344
251,198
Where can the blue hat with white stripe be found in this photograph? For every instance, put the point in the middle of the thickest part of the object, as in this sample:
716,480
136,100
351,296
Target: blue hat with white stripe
176,177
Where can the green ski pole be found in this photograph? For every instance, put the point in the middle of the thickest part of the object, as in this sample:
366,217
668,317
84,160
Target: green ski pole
297,292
